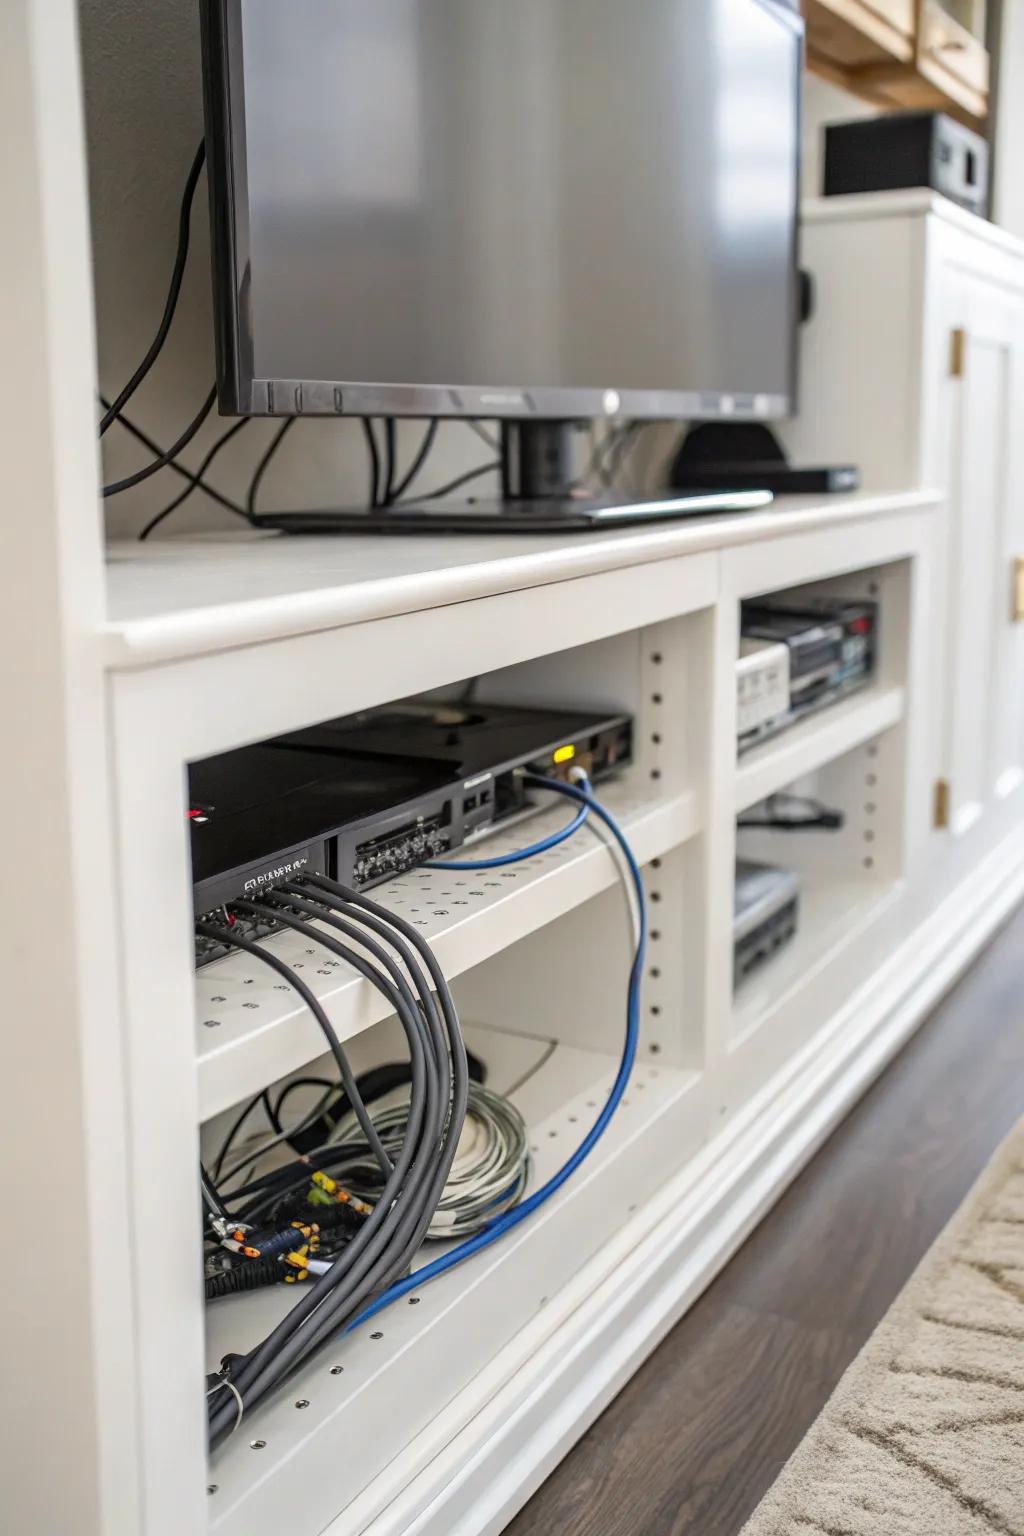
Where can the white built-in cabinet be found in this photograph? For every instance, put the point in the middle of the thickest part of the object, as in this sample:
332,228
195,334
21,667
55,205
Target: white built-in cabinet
119,667
914,370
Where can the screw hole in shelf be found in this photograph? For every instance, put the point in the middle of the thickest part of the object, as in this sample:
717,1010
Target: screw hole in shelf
257,1445
211,1023
655,1048
414,1301
211,1487
303,1402
376,1335
337,1370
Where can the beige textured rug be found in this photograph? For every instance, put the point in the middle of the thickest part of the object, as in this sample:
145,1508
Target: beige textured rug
925,1433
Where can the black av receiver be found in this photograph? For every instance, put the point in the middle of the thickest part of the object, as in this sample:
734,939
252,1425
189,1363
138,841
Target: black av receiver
369,796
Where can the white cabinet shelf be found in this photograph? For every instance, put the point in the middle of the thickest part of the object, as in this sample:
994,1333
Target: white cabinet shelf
167,601
815,741
251,1028
834,913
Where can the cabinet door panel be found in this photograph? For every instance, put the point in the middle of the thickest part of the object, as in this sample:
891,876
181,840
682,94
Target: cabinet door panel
984,657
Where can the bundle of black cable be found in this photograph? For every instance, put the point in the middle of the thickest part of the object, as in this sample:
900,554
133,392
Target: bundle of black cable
396,960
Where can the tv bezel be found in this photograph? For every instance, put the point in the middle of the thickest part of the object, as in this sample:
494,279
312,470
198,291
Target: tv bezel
242,393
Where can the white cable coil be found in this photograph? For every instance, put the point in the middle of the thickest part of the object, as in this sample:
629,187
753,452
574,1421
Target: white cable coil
491,1167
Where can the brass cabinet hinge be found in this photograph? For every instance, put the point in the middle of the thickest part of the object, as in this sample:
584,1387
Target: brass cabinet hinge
957,353
942,803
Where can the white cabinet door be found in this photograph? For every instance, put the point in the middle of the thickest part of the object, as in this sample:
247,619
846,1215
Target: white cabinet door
983,447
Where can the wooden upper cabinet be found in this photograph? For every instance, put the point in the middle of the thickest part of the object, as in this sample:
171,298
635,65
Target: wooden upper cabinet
857,34
910,54
952,57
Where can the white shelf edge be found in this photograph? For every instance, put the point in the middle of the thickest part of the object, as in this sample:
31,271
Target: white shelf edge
813,742
290,586
264,1031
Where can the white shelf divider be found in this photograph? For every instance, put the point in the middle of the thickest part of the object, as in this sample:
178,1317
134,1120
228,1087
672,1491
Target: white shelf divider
815,741
252,1028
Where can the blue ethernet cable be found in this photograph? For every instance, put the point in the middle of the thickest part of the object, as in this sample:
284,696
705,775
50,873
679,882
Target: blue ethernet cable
518,857
583,796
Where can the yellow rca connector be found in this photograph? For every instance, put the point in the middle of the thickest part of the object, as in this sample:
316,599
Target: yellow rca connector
330,1187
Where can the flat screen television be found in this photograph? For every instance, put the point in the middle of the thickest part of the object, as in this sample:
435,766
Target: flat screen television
530,210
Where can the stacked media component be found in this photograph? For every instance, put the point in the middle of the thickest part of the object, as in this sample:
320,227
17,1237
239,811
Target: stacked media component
340,1202
798,656
368,797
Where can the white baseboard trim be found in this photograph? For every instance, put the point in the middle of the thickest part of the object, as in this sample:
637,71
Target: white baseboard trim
469,1478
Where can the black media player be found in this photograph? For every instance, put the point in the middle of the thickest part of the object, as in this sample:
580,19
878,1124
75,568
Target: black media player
369,796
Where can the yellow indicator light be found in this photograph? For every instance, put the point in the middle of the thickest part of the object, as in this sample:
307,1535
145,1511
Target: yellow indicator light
564,755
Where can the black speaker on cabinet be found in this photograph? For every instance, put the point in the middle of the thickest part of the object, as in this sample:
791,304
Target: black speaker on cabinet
908,149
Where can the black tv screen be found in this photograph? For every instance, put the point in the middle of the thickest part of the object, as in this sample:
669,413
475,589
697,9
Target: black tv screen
505,207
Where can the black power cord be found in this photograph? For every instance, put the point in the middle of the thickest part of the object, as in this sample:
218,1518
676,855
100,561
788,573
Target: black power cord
264,465
183,496
429,438
171,303
195,481
390,459
454,485
171,453
376,488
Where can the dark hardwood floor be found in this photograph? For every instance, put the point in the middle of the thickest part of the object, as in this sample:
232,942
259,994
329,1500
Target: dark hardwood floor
701,1432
